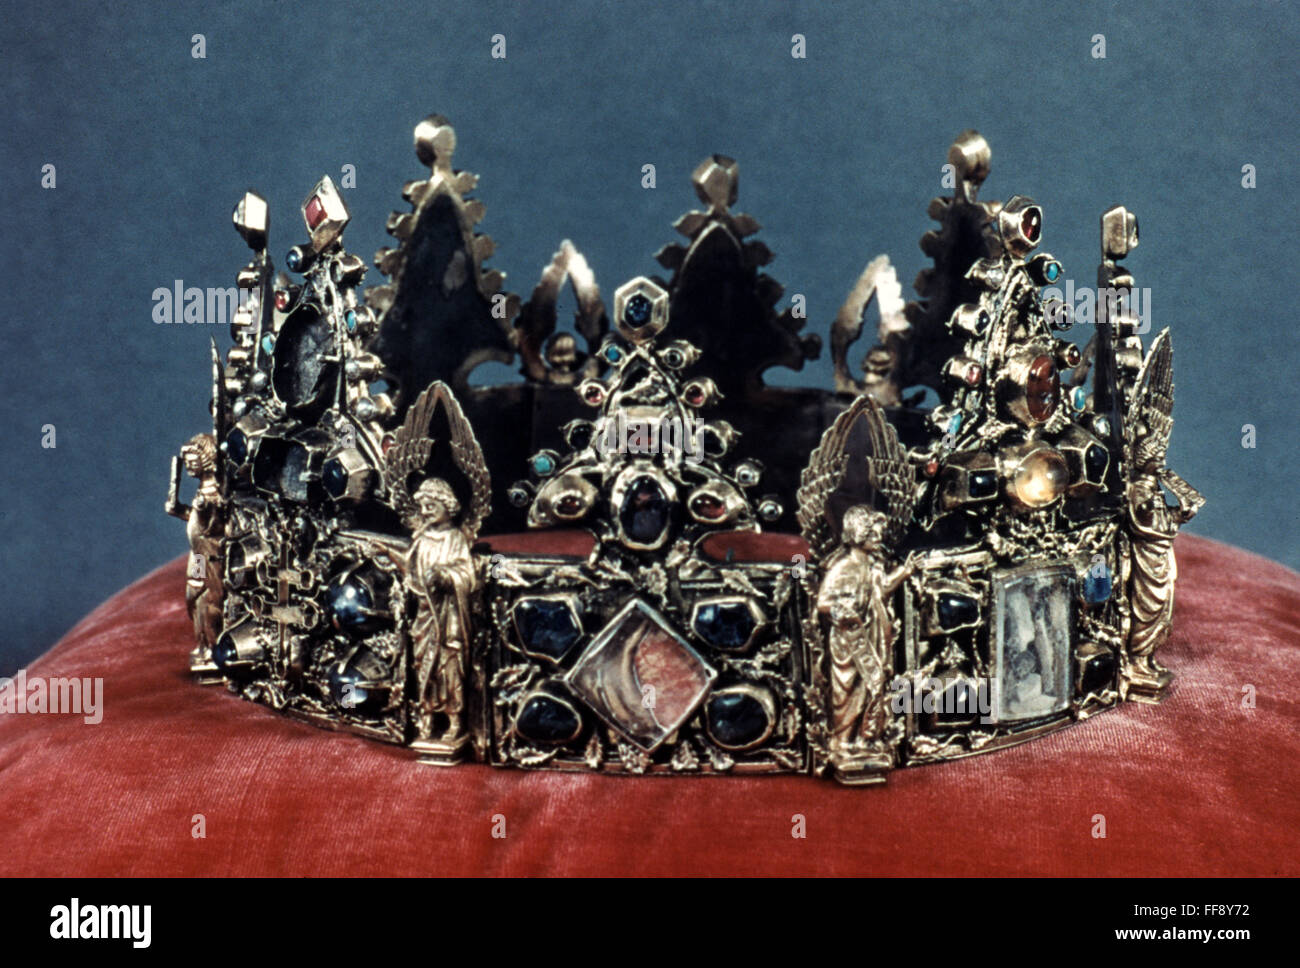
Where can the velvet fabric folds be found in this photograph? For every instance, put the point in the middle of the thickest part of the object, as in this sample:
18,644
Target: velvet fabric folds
1203,784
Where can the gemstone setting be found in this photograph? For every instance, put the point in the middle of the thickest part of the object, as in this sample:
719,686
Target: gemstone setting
641,676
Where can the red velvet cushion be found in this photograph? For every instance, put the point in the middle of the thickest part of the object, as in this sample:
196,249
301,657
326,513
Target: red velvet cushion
1197,785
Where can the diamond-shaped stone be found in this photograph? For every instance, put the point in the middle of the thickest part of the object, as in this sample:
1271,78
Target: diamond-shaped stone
641,676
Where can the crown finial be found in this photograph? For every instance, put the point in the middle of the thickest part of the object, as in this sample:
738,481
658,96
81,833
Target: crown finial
435,143
970,156
717,181
252,220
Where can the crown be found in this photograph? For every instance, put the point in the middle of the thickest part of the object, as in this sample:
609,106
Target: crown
640,556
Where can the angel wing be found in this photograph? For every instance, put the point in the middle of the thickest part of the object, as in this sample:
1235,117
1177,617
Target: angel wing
859,461
1149,420
413,447
220,408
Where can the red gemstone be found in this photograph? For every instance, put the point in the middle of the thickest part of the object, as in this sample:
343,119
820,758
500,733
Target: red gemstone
1073,356
281,299
387,442
1031,224
931,467
569,505
315,212
1042,388
973,374
593,394
695,394
708,507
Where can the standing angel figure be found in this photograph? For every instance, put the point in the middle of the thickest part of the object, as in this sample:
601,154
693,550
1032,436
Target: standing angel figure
859,462
1152,524
441,577
438,569
855,599
205,522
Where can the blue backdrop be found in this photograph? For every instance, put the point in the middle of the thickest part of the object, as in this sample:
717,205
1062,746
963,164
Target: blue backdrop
839,153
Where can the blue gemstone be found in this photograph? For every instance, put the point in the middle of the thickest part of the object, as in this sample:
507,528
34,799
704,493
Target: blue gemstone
982,484
542,464
350,320
346,678
335,477
645,511
724,625
1095,462
1079,398
1098,673
954,424
293,260
956,611
547,627
1096,584
637,311
237,446
223,653
736,719
268,343
1052,271
349,603
613,354
545,719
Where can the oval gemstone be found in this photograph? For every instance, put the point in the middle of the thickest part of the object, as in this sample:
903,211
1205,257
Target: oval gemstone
547,719
1041,478
546,627
736,719
569,506
1042,388
645,511
224,653
349,602
1031,224
1095,462
335,477
725,625
351,682
708,507
237,446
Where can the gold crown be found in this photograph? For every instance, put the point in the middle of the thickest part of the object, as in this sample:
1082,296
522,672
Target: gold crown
597,566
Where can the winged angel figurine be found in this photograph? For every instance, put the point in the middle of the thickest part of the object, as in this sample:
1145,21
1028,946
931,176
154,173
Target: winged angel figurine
1152,523
858,465
436,568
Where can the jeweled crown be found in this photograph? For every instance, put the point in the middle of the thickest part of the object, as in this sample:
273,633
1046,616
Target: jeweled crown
640,557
